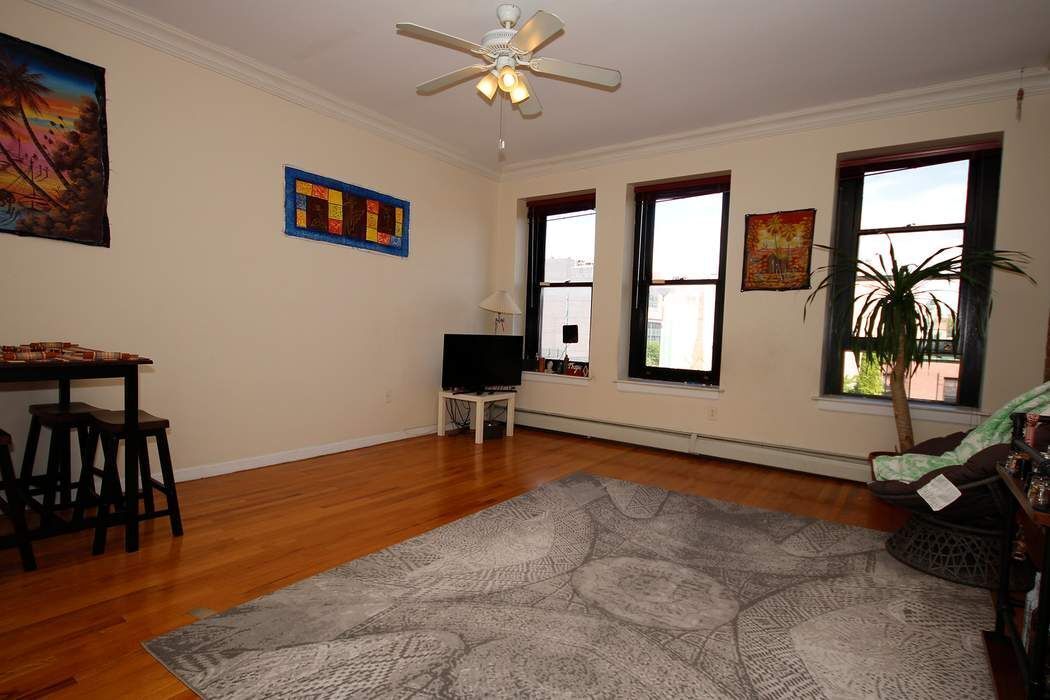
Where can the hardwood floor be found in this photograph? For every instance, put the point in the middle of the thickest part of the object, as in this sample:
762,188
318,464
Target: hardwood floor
74,627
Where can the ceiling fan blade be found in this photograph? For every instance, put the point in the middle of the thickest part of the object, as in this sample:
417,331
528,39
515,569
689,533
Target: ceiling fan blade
540,28
427,34
597,75
530,107
450,79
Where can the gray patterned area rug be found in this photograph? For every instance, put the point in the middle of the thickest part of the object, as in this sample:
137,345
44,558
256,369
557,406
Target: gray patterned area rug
593,587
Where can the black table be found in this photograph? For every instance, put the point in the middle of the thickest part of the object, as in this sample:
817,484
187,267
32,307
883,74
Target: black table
65,371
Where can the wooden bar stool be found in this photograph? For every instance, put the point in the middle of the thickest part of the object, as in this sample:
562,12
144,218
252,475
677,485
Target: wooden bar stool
11,504
57,483
108,426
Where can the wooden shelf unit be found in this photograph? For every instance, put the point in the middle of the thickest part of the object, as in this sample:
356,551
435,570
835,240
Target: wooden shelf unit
1029,663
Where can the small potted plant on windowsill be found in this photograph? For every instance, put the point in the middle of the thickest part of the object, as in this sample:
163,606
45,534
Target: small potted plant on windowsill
900,320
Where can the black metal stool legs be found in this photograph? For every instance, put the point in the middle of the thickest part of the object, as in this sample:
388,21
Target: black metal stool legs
111,488
56,490
52,478
16,509
146,478
65,468
86,495
174,515
110,493
29,456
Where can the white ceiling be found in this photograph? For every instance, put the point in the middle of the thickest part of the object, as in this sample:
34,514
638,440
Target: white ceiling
686,64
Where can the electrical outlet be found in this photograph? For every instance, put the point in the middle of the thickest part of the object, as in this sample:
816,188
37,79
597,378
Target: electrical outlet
712,413
389,396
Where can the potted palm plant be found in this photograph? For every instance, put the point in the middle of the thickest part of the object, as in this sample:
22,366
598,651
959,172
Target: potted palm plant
900,316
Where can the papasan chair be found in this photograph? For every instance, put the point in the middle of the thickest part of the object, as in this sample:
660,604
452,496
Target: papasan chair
962,541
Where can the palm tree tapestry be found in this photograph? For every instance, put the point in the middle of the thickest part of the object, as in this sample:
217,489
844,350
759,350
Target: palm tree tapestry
777,250
54,166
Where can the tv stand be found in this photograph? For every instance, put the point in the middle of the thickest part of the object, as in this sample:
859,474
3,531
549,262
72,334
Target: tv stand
479,401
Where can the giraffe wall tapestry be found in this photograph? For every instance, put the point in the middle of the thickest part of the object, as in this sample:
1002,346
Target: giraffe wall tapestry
777,250
54,166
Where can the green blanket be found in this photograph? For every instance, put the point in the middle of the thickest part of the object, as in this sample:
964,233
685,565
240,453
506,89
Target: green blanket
994,431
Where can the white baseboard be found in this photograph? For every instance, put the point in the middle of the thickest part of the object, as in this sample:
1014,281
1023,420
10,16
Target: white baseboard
840,466
809,461
237,465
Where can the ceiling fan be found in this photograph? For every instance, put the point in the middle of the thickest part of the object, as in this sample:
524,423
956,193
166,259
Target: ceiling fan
506,51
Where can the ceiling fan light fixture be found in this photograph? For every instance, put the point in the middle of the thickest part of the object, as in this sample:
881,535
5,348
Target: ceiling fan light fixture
508,78
506,49
519,92
488,85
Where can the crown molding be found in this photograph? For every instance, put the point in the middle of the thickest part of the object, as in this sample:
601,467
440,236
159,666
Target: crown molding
957,93
132,24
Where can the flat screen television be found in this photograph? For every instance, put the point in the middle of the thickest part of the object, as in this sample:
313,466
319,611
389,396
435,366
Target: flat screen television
479,362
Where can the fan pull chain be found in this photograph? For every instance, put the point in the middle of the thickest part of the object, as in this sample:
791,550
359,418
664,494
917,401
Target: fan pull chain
1020,95
501,145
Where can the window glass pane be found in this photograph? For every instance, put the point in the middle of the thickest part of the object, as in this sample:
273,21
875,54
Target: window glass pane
947,293
934,194
680,327
944,291
560,306
860,296
934,381
910,248
687,237
569,251
865,378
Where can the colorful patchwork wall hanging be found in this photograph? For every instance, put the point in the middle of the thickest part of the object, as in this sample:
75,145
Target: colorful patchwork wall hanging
324,209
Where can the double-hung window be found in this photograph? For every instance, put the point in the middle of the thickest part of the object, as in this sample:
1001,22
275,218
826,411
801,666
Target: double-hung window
920,203
560,277
679,281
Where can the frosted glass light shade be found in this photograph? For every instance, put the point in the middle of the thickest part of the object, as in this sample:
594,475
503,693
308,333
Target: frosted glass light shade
507,79
519,92
488,85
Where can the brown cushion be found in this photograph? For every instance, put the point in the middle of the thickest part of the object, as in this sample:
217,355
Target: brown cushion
5,439
973,505
938,445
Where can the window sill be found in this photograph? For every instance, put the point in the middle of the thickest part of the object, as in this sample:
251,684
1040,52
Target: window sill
550,378
956,415
650,386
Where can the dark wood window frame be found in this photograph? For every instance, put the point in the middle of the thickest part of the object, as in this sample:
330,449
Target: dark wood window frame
538,211
645,218
978,234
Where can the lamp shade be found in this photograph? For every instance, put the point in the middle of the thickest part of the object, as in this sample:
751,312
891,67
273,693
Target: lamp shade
501,303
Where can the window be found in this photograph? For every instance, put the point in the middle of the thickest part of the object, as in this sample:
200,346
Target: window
920,203
679,281
560,276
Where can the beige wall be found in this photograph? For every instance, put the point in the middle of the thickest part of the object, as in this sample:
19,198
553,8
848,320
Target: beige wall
262,342
771,360
265,343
